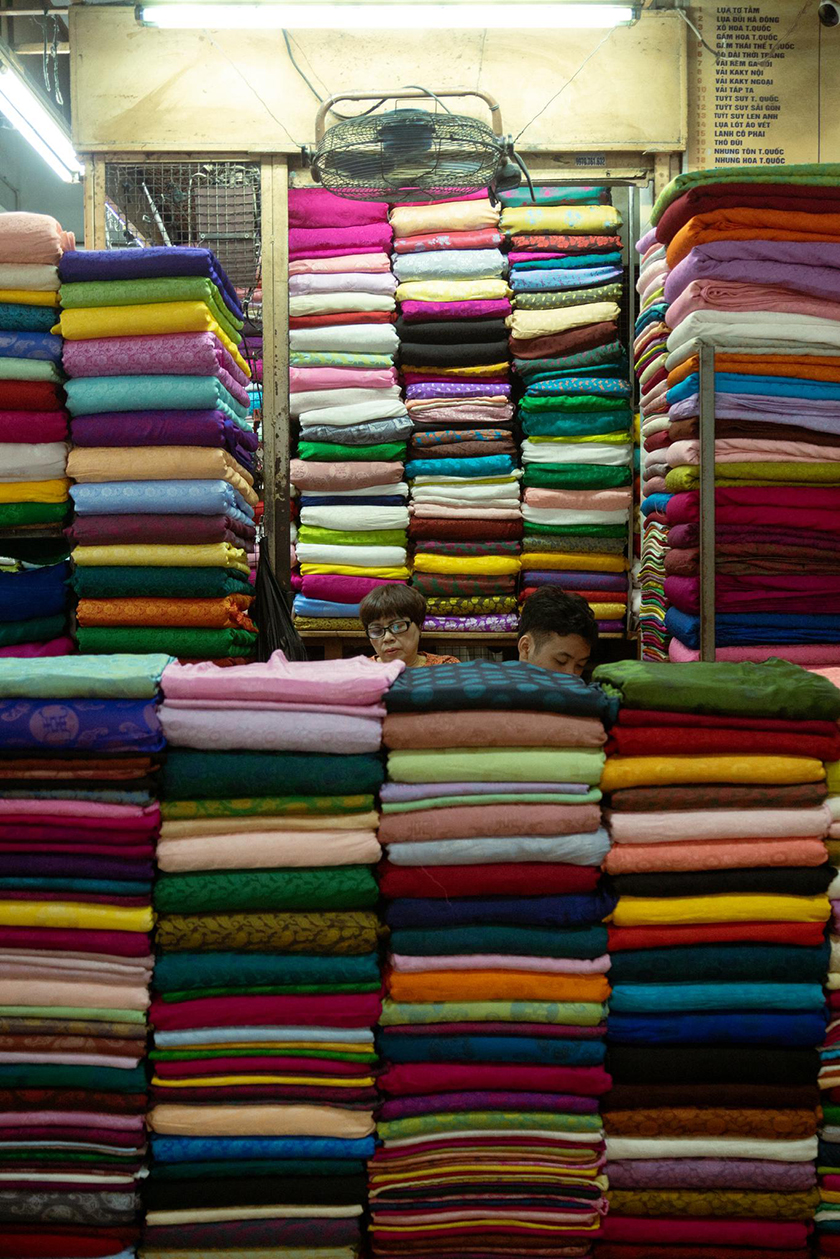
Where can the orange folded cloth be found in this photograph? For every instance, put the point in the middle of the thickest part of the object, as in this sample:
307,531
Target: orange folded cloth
805,367
719,854
745,223
496,985
489,821
224,613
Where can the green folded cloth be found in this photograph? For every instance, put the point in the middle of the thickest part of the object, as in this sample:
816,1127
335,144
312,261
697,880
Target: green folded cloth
190,774
552,424
547,195
447,802
612,352
105,1079
159,583
38,629
14,515
28,369
206,644
316,887
340,537
332,452
811,174
581,531
265,806
573,404
327,358
541,764
575,476
583,942
485,1120
568,297
195,971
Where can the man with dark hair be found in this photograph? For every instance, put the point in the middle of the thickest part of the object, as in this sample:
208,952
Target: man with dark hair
393,617
557,631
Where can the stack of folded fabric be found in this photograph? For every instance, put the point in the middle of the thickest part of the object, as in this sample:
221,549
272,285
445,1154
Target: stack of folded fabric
490,1141
649,355
33,432
353,513
267,980
754,268
79,744
33,422
718,955
567,275
828,1161
163,453
464,471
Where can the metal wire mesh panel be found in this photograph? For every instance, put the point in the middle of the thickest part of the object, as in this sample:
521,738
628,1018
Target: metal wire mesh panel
215,205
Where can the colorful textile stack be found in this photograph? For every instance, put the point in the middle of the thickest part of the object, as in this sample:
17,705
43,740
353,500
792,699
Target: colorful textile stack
33,439
717,814
566,274
490,1141
163,453
754,268
353,516
463,468
649,355
828,1161
79,745
267,980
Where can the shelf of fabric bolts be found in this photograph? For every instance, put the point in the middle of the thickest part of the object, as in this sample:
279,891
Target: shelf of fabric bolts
331,640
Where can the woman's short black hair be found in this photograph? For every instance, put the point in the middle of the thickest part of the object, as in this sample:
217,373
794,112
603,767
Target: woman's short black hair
551,610
393,602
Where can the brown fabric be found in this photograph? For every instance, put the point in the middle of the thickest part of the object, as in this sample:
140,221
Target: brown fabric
71,1045
461,450
71,767
719,1203
683,430
695,1121
490,820
562,343
479,728
716,796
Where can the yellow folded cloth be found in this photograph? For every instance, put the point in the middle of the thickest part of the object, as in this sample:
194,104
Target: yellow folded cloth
452,290
597,220
526,324
147,320
832,777
67,915
28,297
160,463
268,1120
35,491
490,369
638,911
141,555
493,565
655,771
449,216
579,563
608,611
352,570
619,438
687,476
230,1081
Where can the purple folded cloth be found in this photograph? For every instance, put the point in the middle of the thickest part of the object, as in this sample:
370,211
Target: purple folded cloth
802,266
73,865
116,530
419,312
393,793
429,1103
502,624
710,1173
81,266
305,241
574,580
822,414
611,627
170,354
166,428
456,389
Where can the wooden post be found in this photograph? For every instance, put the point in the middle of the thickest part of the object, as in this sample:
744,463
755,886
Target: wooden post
275,282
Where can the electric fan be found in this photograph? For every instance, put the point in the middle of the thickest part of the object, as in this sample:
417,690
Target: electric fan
412,154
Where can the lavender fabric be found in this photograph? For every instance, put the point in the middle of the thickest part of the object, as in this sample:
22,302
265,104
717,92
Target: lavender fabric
710,1173
399,1107
456,389
820,414
116,530
801,265
394,793
81,266
189,353
490,624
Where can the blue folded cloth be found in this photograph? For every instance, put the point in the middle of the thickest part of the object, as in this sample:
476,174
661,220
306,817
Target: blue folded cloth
34,592
321,607
490,466
777,386
728,1028
544,1051
531,911
734,629
204,1149
93,394
42,346
93,725
81,266
178,498
743,996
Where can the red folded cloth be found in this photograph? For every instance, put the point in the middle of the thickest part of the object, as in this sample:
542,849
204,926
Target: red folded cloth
491,880
803,934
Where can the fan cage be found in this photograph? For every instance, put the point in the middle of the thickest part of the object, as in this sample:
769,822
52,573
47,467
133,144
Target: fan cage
407,155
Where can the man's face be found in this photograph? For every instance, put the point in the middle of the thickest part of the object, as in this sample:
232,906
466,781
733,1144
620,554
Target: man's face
559,653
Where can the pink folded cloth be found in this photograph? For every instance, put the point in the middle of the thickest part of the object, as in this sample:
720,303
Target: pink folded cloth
32,651
346,262
314,241
33,238
504,961
354,681
432,511
729,296
492,308
32,427
171,354
343,282
579,500
816,654
756,450
719,824
316,207
302,379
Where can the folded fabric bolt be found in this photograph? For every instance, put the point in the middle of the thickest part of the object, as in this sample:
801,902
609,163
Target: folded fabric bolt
45,461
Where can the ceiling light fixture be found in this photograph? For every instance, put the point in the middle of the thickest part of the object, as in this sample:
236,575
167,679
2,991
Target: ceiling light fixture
36,121
412,16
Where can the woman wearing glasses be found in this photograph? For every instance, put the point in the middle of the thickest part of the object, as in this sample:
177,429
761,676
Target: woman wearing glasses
393,616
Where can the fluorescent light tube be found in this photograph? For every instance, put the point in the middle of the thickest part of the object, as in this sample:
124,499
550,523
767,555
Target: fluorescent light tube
455,16
34,121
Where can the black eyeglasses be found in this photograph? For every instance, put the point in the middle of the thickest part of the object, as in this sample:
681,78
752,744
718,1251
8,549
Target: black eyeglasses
396,628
